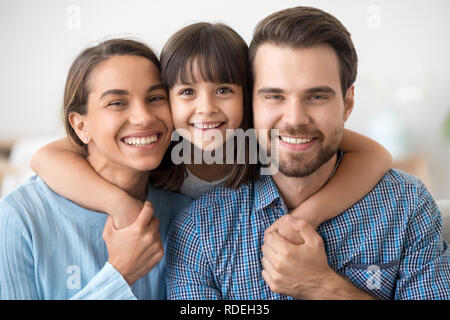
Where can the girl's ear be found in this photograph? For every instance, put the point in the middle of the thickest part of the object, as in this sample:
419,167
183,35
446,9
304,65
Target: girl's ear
79,124
349,101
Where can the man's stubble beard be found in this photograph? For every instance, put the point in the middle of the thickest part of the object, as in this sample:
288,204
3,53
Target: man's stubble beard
297,166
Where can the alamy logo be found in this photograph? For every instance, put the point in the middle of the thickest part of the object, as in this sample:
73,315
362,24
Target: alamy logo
74,278
374,280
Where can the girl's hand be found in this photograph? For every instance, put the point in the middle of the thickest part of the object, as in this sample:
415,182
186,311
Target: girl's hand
134,250
124,210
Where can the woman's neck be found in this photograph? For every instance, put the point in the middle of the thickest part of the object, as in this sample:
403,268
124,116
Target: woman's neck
133,182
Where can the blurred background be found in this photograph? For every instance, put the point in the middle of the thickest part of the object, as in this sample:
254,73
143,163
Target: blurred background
402,90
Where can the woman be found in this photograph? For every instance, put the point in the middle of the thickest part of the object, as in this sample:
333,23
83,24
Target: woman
52,248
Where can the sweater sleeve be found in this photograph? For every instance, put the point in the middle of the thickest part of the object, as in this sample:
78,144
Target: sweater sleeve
17,279
108,284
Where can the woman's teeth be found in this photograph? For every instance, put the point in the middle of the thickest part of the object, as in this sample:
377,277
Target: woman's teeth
139,142
207,125
294,140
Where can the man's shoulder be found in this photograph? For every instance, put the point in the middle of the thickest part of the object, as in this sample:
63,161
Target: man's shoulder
397,196
399,184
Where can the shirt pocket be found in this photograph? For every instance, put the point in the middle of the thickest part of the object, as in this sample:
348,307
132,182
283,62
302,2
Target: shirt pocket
377,279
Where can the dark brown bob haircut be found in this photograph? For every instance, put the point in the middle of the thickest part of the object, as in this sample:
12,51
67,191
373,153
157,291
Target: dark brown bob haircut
77,89
221,56
301,27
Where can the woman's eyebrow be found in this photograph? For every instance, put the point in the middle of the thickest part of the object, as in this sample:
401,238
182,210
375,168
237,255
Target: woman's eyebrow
158,86
115,92
122,92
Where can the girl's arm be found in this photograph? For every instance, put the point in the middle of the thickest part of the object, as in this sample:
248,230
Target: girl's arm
63,167
363,164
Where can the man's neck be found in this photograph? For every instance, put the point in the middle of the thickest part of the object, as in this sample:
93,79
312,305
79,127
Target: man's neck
131,181
296,190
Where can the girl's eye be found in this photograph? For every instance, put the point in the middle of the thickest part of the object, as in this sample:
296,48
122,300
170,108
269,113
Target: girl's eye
186,92
224,90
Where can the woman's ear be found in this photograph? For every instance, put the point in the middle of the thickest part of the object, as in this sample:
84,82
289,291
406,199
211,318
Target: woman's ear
79,124
349,101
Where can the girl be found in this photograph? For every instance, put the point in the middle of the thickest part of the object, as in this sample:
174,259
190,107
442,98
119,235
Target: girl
52,248
205,68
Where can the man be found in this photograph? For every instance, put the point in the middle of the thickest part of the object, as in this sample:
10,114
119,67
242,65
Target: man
388,245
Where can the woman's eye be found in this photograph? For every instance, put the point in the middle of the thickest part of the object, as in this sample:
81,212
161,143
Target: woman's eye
224,90
116,104
156,98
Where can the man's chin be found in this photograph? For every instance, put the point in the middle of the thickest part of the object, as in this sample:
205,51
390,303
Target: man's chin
300,168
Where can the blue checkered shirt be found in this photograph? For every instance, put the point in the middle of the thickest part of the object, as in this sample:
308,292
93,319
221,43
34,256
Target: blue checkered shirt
388,244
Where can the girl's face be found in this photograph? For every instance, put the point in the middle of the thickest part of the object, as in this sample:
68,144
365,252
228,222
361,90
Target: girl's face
203,110
128,119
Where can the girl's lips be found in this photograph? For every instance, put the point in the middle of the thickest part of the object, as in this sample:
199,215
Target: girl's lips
204,126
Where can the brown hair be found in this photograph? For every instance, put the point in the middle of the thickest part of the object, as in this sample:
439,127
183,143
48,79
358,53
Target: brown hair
222,57
77,89
304,27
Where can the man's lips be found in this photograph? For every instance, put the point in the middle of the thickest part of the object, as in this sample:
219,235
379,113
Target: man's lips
297,143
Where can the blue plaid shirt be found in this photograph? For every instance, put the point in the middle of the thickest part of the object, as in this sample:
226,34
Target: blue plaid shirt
388,244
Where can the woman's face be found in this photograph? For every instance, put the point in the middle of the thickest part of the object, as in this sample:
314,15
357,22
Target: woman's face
205,110
128,120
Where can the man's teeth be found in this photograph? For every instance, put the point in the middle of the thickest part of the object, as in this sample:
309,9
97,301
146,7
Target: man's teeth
144,141
207,125
294,140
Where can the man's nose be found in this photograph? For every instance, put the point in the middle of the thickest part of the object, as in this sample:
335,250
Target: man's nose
296,113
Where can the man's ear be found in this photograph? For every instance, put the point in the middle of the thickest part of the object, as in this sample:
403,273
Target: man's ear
79,124
349,101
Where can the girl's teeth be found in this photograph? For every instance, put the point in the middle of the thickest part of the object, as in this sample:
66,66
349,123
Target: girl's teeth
207,126
141,141
295,141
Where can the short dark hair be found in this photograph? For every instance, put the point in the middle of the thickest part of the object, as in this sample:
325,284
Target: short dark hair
221,55
304,27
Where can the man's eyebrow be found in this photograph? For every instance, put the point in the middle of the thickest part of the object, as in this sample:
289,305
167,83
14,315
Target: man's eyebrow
324,89
269,90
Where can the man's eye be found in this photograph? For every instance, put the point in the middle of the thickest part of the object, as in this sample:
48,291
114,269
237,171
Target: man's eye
224,90
318,97
275,97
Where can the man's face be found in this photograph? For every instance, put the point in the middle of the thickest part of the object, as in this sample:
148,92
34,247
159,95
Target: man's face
298,92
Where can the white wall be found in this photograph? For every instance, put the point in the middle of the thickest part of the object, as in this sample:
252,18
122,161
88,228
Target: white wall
402,89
